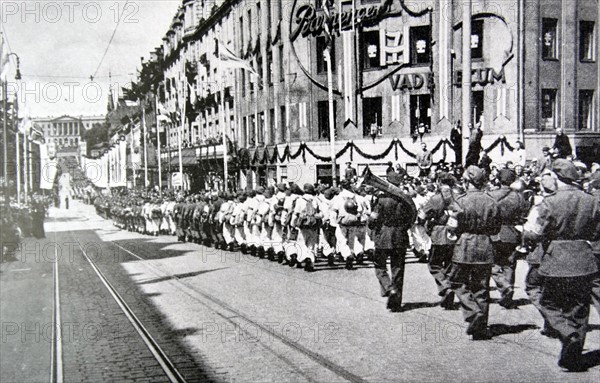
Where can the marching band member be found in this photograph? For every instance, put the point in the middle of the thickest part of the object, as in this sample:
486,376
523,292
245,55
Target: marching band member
435,214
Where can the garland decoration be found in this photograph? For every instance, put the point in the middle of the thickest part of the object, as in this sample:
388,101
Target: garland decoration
273,155
503,142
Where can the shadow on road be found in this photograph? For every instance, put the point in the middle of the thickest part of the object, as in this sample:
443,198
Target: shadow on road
505,329
180,276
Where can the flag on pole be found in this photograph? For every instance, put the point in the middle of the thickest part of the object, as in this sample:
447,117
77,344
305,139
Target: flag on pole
192,93
163,114
4,61
25,125
230,60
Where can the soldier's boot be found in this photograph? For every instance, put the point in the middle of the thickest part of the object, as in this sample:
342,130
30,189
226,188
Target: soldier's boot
232,246
253,250
360,258
280,257
350,263
260,251
309,266
370,254
293,260
271,254
331,260
244,248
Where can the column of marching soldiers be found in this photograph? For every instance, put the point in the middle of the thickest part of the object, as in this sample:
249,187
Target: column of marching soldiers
471,226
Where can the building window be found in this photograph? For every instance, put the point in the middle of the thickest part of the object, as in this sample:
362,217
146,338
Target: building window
587,41
477,39
270,67
323,118
321,63
372,108
370,50
243,82
420,45
283,171
478,105
420,112
251,131
281,66
271,126
324,174
282,122
550,39
549,109
242,31
587,115
261,128
259,64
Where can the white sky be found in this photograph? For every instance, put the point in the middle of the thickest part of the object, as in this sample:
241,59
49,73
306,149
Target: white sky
61,43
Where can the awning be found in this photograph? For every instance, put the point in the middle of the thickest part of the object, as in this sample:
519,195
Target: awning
185,160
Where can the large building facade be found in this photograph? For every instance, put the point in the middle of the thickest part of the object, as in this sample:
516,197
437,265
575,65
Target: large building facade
396,79
66,131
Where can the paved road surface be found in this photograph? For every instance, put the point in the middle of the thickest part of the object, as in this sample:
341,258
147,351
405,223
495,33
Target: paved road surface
149,309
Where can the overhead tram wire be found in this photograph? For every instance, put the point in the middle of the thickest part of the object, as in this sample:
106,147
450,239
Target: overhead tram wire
109,42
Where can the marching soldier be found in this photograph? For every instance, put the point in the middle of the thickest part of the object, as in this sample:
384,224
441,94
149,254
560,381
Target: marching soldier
478,219
327,240
307,219
435,214
567,223
513,209
278,232
347,215
389,223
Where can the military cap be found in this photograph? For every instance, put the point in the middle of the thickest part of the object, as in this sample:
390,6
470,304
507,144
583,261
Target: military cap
260,190
309,189
296,189
268,193
281,187
565,170
329,193
475,175
506,176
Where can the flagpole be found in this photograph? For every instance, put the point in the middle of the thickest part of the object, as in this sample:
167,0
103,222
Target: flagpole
131,127
224,128
5,142
145,145
18,167
158,142
330,98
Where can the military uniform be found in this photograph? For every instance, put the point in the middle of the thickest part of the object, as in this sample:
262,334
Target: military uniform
513,209
478,219
389,223
567,223
434,213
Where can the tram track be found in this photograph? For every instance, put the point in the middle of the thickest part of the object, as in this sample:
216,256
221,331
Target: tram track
236,315
171,372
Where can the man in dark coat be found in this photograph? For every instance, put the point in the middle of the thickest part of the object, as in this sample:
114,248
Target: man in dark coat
433,214
350,174
456,140
474,145
513,209
478,219
389,222
567,224
562,146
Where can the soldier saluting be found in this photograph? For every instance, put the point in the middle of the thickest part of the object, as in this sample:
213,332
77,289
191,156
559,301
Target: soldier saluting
566,224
